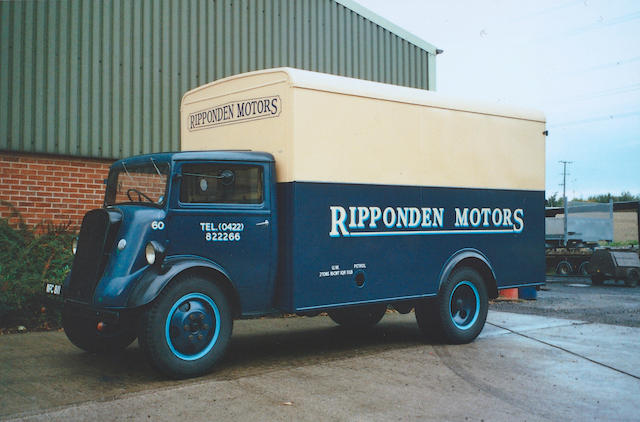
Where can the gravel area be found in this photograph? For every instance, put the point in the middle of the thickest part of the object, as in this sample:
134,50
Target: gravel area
576,298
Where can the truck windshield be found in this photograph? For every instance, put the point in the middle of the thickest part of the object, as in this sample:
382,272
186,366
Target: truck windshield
139,183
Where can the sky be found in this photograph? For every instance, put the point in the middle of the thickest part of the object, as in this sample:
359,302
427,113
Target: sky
576,61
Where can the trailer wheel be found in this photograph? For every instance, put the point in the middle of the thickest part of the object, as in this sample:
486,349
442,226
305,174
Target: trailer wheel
597,279
460,309
584,269
632,278
187,329
83,333
358,317
564,268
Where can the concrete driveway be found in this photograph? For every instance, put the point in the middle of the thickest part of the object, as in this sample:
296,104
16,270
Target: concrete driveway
522,367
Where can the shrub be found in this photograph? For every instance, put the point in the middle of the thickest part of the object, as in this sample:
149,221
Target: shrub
30,258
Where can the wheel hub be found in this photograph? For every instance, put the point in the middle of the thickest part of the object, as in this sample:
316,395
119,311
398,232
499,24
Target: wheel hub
464,305
192,326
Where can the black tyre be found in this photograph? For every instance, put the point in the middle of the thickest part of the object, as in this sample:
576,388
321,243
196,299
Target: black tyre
428,320
633,276
584,269
597,279
564,268
359,317
83,333
187,328
460,310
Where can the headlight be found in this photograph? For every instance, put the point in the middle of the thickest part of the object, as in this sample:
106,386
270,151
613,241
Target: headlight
74,245
150,253
153,252
122,243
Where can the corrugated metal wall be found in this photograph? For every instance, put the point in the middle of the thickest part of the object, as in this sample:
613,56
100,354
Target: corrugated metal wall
105,78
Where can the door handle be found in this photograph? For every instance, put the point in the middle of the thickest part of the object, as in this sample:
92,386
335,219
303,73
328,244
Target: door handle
263,223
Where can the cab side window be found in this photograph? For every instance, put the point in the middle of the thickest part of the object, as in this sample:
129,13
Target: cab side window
222,183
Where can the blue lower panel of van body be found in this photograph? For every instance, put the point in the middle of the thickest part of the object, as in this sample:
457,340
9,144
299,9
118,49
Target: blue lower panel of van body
342,244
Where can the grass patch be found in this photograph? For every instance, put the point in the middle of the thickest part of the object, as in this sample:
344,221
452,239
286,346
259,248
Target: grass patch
623,244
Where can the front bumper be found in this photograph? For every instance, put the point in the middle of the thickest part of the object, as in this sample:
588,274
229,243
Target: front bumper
79,310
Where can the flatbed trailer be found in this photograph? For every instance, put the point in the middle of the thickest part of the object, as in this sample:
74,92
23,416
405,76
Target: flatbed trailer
587,224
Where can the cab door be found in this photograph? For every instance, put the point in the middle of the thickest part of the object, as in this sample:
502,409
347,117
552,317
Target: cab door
221,211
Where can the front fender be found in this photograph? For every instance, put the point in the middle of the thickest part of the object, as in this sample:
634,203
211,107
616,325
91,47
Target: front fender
156,277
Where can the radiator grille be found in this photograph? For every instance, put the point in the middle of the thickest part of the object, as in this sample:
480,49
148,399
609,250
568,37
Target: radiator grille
97,235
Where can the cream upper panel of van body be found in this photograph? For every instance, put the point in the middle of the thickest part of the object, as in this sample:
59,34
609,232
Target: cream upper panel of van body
337,129
271,134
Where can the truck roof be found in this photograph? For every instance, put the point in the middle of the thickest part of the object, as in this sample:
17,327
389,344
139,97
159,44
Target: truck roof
215,155
359,87
224,155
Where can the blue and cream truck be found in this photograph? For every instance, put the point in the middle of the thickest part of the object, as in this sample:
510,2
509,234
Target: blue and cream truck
301,192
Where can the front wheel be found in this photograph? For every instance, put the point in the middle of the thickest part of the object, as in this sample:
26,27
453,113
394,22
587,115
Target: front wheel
460,310
83,333
187,329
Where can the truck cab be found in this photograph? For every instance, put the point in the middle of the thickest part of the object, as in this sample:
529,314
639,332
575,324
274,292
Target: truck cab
207,215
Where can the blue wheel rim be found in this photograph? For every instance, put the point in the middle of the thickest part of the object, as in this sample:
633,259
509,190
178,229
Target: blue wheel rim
192,326
464,305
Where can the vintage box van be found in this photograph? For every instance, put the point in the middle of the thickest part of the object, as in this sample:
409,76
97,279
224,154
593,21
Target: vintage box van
301,192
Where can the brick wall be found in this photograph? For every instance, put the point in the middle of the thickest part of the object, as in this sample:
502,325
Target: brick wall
46,189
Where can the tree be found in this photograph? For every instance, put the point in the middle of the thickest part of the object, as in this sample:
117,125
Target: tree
606,197
556,201
553,201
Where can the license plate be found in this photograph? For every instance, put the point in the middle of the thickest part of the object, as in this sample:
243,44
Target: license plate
53,289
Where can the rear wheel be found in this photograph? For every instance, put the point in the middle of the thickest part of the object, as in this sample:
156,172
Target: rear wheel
460,310
633,276
358,317
563,268
84,334
187,329
428,320
584,269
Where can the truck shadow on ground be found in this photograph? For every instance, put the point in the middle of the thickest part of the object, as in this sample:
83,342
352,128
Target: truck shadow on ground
271,351
252,353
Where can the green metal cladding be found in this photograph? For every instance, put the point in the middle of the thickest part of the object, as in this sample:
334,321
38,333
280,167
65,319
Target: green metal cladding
104,79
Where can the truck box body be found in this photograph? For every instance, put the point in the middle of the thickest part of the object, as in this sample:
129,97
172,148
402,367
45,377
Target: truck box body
379,186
